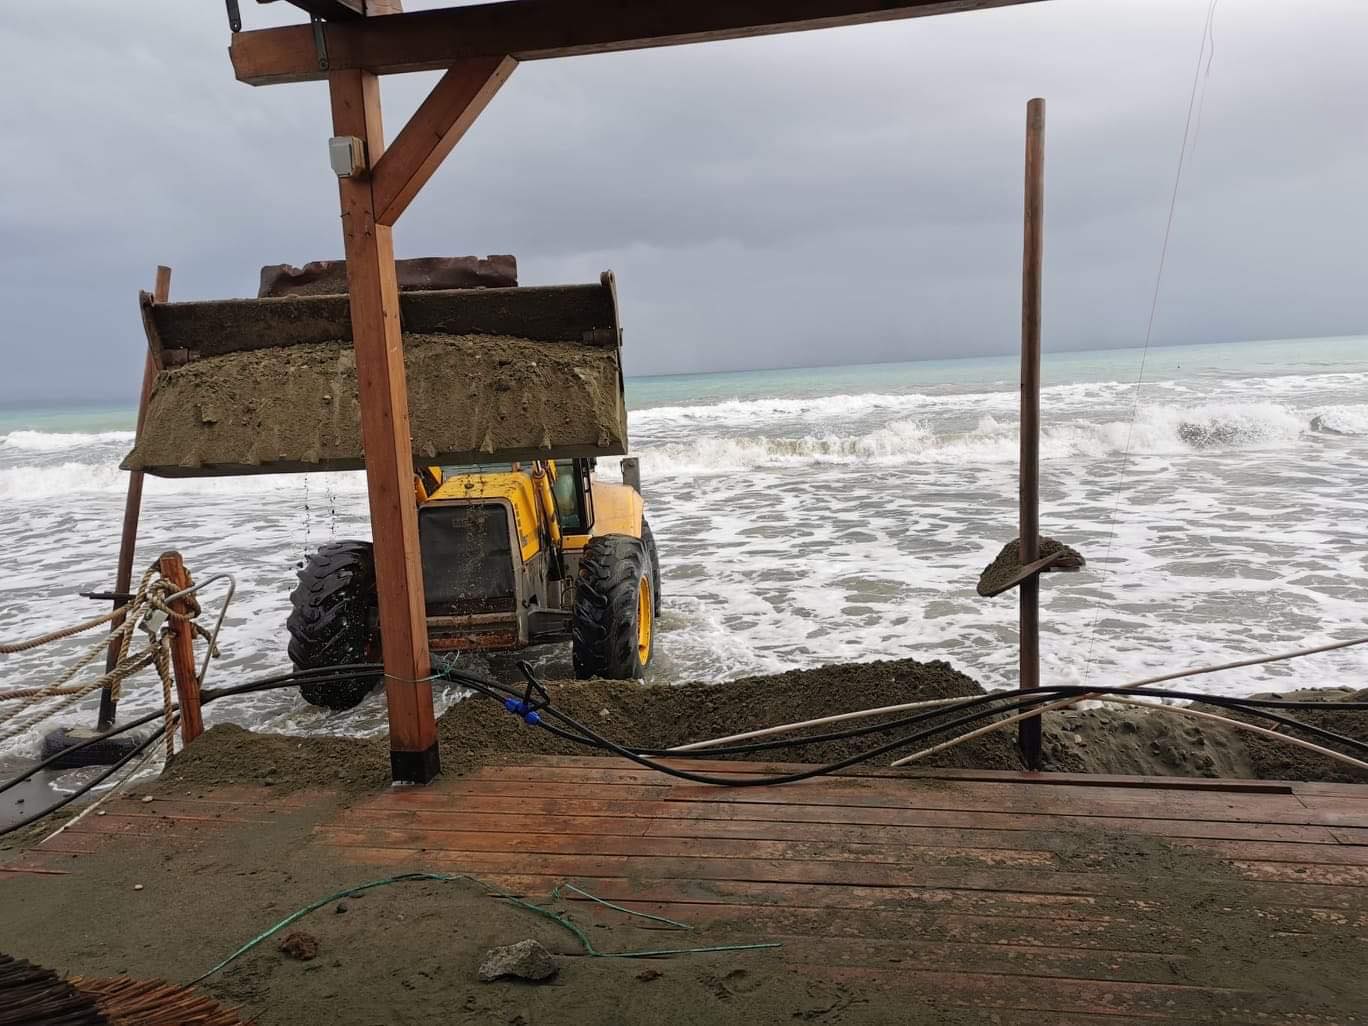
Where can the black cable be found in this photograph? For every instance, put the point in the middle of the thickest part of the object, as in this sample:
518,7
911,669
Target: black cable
87,788
322,675
581,734
1017,700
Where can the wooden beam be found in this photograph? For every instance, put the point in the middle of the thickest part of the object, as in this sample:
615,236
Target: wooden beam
183,650
342,10
383,391
539,29
123,572
435,128
1028,598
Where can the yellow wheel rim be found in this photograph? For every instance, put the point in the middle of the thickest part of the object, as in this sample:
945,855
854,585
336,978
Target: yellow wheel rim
644,617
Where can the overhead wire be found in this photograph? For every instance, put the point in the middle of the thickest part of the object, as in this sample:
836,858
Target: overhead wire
1149,326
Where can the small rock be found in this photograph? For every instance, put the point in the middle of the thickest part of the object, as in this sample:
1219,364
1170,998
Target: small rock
342,906
147,798
647,975
526,960
299,945
99,812
137,887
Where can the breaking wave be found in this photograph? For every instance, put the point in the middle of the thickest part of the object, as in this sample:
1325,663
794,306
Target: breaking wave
1341,420
62,441
1157,430
740,412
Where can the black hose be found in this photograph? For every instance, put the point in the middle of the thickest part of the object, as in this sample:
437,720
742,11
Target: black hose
1251,706
1013,700
322,675
87,788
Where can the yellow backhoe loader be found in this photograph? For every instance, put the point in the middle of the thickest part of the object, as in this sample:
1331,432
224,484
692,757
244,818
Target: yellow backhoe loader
514,393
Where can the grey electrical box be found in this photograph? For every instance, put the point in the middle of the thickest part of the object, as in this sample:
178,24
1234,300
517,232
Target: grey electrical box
347,154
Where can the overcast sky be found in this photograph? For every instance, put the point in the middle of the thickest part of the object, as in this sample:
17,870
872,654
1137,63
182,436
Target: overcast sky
843,196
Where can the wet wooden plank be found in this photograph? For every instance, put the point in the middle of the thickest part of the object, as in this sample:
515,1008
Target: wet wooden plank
1301,872
471,786
428,839
1336,811
938,902
1013,777
925,818
1322,849
914,795
1016,778
834,873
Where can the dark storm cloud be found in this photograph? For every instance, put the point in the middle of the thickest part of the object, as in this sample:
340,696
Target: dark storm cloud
826,197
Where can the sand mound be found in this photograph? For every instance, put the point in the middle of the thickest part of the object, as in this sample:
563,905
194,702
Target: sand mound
1007,564
477,731
1271,760
1105,739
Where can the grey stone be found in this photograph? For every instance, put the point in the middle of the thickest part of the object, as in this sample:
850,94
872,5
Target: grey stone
526,960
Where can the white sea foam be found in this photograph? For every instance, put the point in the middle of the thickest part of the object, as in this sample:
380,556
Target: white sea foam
62,441
40,481
1341,420
1157,430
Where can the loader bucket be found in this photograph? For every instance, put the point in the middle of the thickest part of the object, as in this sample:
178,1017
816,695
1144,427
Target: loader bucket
268,385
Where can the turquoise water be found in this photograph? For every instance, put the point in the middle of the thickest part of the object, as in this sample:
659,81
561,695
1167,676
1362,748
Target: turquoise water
1276,357
816,515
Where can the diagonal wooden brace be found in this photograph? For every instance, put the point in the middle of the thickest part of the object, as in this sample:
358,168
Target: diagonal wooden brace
433,131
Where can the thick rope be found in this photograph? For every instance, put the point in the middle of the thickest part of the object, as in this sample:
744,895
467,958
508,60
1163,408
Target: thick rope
14,648
35,704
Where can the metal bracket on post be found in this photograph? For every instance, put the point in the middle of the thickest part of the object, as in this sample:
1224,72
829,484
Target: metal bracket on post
234,16
320,42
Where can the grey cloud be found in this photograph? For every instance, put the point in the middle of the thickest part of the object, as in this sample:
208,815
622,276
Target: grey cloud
849,195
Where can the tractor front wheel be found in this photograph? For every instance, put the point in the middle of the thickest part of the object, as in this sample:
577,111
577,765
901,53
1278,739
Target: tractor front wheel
614,623
333,621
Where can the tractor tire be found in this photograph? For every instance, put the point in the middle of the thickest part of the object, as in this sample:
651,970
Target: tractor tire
648,539
333,621
613,592
104,752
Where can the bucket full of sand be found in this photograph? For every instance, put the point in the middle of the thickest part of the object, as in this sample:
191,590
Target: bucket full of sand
269,385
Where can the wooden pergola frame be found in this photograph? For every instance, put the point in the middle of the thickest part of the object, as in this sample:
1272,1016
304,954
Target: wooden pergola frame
478,46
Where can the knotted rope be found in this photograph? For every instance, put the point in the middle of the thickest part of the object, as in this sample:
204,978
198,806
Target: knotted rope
145,610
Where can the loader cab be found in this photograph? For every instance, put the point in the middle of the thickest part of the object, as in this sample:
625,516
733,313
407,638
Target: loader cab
572,486
574,495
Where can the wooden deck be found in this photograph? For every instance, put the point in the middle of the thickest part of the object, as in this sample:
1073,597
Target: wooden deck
1041,894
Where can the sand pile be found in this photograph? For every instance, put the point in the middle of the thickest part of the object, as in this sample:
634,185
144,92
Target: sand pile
1007,564
477,731
1105,739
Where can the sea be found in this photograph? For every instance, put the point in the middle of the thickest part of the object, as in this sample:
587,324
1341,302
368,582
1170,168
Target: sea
819,515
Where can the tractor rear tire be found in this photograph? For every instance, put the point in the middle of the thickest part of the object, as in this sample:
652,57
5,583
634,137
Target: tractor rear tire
333,621
614,621
648,539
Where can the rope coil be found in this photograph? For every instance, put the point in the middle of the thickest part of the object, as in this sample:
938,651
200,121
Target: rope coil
150,611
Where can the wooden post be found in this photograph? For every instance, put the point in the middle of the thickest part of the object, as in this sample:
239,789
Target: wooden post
123,576
385,436
1033,256
183,650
